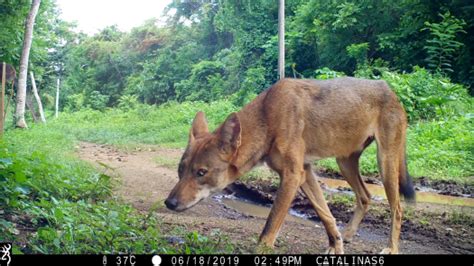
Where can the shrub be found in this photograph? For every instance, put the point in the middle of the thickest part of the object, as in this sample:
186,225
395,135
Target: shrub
427,96
127,102
75,102
326,73
97,101
204,82
442,46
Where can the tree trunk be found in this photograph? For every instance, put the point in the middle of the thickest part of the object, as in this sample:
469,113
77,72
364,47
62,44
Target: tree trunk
23,75
37,97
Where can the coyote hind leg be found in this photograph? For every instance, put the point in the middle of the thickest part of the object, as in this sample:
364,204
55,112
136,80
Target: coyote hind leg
349,167
390,139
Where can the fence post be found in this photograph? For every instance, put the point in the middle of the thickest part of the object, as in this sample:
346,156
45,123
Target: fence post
57,100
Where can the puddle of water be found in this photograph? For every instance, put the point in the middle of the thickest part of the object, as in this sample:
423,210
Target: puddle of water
421,196
261,211
377,191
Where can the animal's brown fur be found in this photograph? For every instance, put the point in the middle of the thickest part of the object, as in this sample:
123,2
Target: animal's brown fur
289,125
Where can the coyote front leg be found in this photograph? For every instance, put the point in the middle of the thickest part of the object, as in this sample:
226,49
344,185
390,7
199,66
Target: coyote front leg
288,162
285,195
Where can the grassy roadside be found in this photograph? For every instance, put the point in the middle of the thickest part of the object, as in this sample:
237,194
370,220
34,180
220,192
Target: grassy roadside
54,203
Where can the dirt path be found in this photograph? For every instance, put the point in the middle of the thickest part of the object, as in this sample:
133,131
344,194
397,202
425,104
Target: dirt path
143,183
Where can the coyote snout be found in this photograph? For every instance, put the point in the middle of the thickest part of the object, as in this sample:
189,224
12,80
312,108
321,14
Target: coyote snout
205,167
180,202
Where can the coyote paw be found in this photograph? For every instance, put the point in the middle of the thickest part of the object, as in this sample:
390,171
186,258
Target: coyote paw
335,250
347,235
330,251
347,239
388,251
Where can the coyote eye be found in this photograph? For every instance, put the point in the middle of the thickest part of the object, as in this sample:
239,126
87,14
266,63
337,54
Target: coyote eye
201,172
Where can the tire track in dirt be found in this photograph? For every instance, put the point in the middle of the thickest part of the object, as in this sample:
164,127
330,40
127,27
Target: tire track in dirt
143,183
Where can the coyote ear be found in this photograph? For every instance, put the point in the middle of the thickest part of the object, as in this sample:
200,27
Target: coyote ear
199,126
229,134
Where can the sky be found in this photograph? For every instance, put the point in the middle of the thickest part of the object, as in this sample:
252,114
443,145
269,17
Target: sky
93,15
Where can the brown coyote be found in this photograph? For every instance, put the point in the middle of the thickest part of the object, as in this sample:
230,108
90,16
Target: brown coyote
289,125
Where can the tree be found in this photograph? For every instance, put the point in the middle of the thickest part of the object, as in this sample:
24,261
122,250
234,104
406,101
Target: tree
37,97
23,75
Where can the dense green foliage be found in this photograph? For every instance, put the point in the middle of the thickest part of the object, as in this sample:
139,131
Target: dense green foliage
425,96
49,39
207,50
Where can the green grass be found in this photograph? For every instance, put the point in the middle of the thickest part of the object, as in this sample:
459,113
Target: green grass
342,199
460,217
259,174
52,202
168,162
166,125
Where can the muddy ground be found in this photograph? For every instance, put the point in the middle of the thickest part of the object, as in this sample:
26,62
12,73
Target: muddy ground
144,181
443,187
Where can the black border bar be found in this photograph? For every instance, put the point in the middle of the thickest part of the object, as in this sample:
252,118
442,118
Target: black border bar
245,260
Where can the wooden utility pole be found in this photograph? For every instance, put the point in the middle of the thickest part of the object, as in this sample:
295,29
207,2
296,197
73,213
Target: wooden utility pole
37,97
11,76
2,100
281,39
57,100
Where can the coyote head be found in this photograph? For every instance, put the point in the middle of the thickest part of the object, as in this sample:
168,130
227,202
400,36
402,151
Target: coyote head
206,166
